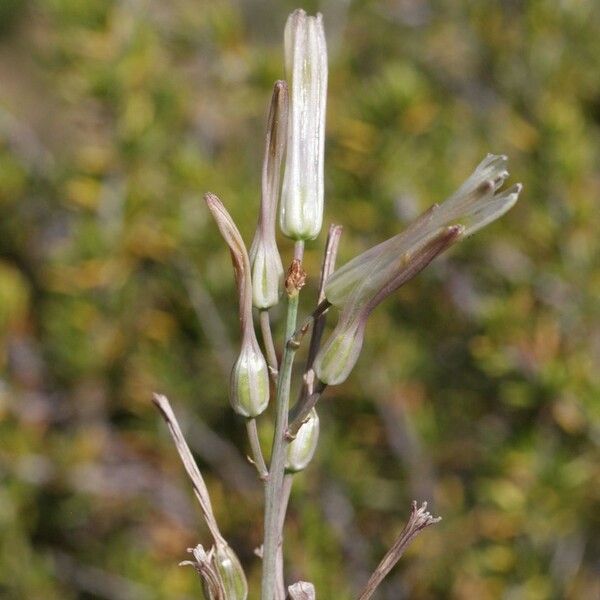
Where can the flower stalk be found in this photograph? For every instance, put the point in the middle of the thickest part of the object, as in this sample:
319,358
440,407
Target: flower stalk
274,487
295,133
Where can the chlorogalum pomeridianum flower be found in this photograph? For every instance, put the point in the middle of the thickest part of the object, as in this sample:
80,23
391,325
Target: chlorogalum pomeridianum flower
361,284
249,381
301,207
267,269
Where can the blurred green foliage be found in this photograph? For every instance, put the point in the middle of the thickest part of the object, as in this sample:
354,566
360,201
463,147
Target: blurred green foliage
479,385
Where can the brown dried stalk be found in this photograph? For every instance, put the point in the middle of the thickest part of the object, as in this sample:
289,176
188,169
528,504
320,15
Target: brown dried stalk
419,519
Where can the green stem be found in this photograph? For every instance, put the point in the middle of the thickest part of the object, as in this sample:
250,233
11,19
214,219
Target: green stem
265,327
274,488
257,455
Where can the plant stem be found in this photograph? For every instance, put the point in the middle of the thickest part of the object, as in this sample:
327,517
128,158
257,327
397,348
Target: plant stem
274,488
267,336
257,456
284,499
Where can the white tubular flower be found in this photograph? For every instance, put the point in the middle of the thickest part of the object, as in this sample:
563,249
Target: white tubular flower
249,383
267,269
475,204
301,210
361,284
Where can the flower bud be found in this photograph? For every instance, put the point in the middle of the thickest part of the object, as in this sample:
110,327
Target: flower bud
302,448
232,578
249,382
267,269
301,210
337,357
339,353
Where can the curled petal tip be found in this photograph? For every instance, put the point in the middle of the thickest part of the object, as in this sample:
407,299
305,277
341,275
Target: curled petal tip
211,199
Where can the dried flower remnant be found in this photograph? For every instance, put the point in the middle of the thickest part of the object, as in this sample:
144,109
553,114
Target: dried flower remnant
249,382
420,518
267,268
339,354
475,204
301,209
302,590
361,284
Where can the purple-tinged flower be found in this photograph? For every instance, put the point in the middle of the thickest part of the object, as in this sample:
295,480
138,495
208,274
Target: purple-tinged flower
366,280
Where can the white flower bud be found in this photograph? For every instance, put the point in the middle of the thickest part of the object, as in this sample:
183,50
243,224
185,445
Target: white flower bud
301,209
302,448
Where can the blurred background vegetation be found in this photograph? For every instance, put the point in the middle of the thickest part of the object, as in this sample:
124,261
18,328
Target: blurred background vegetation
479,385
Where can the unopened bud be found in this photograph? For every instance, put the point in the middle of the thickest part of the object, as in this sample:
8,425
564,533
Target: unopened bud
267,269
232,578
302,448
337,357
301,211
339,353
249,383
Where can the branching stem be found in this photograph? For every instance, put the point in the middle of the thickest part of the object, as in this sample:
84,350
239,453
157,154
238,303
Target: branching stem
274,488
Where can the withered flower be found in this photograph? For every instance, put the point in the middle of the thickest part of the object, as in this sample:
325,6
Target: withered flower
366,280
267,269
249,382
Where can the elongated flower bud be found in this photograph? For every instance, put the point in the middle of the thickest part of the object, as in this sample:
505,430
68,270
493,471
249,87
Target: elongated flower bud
302,448
223,576
267,269
301,211
339,354
475,204
231,573
249,383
